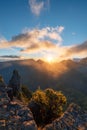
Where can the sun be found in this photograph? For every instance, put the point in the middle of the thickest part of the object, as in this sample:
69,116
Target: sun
49,59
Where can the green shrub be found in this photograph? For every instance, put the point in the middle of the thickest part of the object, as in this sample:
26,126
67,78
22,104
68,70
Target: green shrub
24,95
56,101
46,105
26,92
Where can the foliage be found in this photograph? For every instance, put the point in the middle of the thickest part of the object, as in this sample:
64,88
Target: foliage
24,95
1,79
38,106
26,92
46,105
22,98
56,100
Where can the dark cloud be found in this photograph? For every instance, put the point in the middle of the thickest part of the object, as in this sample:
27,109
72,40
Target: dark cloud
77,49
10,56
20,37
41,45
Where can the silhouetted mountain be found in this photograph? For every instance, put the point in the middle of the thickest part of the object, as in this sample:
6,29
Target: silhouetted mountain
67,76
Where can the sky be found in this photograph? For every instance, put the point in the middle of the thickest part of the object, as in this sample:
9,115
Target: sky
38,29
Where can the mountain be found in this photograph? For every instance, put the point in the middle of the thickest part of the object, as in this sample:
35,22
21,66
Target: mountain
68,76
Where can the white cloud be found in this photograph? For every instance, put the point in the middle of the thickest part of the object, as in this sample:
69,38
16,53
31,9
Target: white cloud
34,40
60,29
36,7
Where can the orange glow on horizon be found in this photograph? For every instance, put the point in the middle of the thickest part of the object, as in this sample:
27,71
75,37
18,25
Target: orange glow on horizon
49,59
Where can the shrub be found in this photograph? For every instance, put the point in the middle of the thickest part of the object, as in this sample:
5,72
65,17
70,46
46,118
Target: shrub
26,92
24,95
46,105
1,79
56,101
38,106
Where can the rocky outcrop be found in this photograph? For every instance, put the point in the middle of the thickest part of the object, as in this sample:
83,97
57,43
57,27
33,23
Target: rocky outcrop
4,100
14,115
15,82
73,119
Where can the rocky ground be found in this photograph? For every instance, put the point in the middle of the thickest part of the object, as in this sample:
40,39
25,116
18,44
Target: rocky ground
13,114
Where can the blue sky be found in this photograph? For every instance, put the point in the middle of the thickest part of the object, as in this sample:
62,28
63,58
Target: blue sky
18,17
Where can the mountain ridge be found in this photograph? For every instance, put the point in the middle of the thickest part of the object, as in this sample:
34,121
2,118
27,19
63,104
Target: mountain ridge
68,76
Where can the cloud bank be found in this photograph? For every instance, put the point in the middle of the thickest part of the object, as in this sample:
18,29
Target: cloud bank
10,57
43,42
37,7
35,39
79,50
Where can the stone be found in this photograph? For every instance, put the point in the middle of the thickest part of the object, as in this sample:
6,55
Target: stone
29,125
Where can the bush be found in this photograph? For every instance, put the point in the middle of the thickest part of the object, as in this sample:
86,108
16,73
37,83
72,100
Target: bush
26,92
56,101
1,79
46,105
38,105
24,95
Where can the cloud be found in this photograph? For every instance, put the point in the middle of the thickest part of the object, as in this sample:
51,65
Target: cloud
34,38
60,29
10,57
43,42
79,50
37,7
41,46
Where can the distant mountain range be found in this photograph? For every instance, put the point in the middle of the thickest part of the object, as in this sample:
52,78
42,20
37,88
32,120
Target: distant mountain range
68,76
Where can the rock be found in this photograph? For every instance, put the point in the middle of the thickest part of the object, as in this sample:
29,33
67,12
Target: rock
4,100
14,115
29,126
73,119
15,82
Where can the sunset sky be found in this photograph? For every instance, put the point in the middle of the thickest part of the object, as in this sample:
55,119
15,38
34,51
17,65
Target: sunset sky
55,29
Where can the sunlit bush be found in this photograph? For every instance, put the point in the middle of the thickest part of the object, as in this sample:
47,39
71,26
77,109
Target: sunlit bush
47,105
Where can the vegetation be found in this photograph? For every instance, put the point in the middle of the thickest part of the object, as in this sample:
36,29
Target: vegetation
26,92
46,105
24,95
1,78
